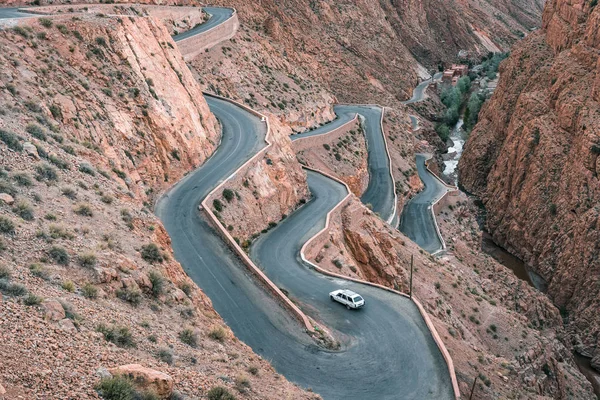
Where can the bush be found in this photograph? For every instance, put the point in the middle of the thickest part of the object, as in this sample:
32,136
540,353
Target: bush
165,355
87,169
59,162
119,335
242,384
33,300
228,195
89,291
45,22
188,337
326,146
5,273
219,393
131,296
45,172
69,286
13,289
22,179
151,253
84,209
59,232
218,333
87,260
69,193
39,271
218,205
107,199
158,283
253,370
6,225
59,255
23,209
11,140
36,131
8,188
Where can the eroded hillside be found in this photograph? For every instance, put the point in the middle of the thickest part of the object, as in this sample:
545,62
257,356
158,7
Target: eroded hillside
97,115
533,158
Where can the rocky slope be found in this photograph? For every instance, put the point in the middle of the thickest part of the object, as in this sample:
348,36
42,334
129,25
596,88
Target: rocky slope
533,158
97,114
495,326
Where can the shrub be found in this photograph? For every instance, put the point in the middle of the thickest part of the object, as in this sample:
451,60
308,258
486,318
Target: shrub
188,337
107,199
326,146
45,22
62,29
87,260
151,253
165,355
11,140
218,333
6,225
89,291
22,179
23,209
228,195
59,255
493,328
218,205
253,370
158,283
4,273
131,296
242,384
219,393
33,106
36,131
69,192
87,169
59,232
119,335
84,209
45,172
7,187
39,271
69,286
59,162
13,289
19,30
186,288
33,300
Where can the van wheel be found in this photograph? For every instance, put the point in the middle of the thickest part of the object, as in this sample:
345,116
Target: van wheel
347,306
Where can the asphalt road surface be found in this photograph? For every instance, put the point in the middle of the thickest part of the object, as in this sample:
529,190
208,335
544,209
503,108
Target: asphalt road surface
417,221
419,91
218,15
380,191
6,13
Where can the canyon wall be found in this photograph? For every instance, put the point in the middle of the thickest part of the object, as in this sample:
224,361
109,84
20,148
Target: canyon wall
533,159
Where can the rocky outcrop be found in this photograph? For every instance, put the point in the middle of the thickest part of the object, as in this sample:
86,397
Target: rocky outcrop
533,159
120,88
264,192
146,379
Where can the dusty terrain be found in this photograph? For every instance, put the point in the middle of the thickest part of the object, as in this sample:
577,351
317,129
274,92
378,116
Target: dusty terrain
97,116
533,159
495,326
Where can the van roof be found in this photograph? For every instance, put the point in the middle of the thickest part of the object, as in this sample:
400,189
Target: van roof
349,293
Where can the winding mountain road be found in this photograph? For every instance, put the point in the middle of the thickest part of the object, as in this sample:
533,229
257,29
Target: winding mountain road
380,190
387,351
218,15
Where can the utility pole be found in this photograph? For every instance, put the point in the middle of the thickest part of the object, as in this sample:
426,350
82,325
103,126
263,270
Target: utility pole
412,257
473,388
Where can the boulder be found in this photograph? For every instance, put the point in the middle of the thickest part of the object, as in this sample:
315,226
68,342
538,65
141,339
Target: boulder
103,373
31,150
178,295
146,379
67,325
53,310
7,198
2,390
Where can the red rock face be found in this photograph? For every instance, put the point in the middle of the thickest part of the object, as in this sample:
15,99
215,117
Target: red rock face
533,159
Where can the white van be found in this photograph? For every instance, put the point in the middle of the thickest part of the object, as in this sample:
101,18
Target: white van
347,298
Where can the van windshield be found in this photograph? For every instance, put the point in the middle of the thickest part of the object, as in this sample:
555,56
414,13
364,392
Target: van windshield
357,299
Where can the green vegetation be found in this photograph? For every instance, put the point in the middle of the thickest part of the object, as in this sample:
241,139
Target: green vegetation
45,22
228,195
218,333
6,225
158,283
87,260
218,205
22,179
188,337
23,209
131,296
84,210
11,140
87,169
33,300
59,255
45,172
119,335
152,253
89,291
219,393
474,105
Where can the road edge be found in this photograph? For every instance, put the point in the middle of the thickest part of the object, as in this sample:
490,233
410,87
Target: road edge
434,334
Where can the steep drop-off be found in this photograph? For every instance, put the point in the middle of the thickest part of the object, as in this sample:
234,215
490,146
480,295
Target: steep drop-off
533,159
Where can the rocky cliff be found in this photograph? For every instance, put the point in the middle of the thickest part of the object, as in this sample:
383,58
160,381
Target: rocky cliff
533,159
96,114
